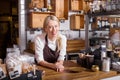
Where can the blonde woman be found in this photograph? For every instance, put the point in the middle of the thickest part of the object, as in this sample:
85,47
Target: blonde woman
50,46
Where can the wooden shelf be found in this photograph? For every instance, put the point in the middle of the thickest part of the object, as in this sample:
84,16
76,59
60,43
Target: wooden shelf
107,13
37,12
100,29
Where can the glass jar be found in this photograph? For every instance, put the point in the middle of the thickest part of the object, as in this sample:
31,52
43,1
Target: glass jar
106,64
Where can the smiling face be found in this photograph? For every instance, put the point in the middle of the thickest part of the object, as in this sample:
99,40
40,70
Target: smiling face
52,29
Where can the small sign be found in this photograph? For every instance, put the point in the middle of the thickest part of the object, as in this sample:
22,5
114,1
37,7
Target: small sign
14,74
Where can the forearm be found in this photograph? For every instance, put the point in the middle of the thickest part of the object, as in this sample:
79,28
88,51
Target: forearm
60,62
47,64
58,66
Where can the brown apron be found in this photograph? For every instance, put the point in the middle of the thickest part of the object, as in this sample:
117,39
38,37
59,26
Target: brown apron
50,55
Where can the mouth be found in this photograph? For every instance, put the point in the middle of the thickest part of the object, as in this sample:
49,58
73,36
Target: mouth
54,33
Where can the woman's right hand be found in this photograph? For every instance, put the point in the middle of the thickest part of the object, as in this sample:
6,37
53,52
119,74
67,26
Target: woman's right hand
59,67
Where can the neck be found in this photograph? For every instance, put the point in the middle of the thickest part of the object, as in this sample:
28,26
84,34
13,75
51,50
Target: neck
51,38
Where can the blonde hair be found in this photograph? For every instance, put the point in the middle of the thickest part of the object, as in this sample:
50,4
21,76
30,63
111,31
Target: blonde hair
54,18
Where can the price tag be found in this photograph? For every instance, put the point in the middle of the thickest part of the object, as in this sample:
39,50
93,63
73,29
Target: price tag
14,74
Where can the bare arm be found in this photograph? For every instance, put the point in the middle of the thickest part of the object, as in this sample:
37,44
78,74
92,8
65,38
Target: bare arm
58,66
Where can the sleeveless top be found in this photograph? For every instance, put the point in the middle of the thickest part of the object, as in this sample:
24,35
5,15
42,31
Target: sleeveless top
50,55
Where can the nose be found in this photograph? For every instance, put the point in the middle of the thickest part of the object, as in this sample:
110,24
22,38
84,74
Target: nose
53,29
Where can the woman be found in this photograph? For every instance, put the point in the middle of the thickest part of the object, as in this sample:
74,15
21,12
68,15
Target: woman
50,46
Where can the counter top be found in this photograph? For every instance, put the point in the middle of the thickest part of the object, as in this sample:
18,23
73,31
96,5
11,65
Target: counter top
73,71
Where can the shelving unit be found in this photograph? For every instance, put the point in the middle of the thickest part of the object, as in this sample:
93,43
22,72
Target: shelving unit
37,16
77,21
109,14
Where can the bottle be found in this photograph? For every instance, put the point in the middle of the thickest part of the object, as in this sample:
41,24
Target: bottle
106,64
103,51
99,23
103,23
103,54
49,7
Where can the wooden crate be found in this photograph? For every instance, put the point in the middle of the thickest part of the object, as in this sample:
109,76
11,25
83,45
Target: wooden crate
76,22
77,5
36,19
60,8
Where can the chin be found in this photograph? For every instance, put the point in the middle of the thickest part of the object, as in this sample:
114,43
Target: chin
54,35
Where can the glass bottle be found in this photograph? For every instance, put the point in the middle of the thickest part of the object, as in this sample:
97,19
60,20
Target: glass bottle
49,7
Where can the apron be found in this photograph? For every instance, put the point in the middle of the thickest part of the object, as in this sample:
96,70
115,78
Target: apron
50,55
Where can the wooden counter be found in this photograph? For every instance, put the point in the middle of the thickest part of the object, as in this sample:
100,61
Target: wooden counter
74,72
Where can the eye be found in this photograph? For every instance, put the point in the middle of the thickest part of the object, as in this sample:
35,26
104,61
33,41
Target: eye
49,27
56,26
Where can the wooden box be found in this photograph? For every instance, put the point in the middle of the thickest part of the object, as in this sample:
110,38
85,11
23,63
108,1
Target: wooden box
77,5
76,22
60,8
36,19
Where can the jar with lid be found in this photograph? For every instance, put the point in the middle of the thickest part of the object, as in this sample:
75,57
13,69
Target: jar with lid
95,68
106,64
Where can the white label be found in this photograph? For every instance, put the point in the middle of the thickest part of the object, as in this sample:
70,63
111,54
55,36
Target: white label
103,54
106,65
14,74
